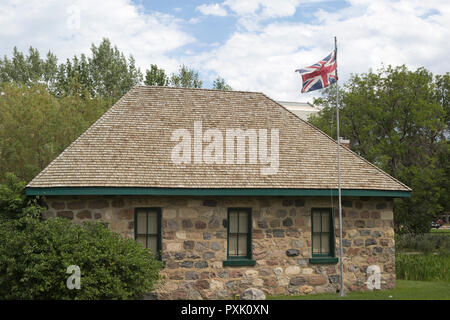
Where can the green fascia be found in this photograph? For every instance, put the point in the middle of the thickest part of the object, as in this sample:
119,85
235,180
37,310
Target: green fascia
239,262
323,260
81,191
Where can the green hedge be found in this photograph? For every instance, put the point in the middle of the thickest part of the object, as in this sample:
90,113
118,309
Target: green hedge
35,255
426,243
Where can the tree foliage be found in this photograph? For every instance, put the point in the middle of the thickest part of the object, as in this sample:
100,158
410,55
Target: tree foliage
111,73
73,79
29,69
14,204
220,84
186,78
35,126
35,255
45,106
105,74
156,77
398,119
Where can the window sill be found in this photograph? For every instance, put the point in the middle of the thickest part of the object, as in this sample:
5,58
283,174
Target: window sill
323,260
239,262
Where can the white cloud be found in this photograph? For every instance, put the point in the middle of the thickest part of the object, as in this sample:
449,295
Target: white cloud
264,8
252,13
70,27
194,20
212,9
369,33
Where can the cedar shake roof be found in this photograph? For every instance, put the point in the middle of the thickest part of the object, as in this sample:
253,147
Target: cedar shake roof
130,146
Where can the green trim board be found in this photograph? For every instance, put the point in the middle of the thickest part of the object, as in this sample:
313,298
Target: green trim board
323,260
239,262
81,191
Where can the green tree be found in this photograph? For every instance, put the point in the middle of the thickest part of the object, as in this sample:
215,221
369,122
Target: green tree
220,84
14,204
35,126
106,73
74,78
398,120
112,75
35,255
29,69
156,77
186,78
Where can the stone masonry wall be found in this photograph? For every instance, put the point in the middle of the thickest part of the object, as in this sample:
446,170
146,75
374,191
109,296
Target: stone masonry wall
194,242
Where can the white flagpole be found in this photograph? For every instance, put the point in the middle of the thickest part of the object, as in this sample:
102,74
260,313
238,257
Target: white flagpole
341,262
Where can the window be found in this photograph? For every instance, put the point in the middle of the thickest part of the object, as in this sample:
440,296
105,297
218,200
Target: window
322,235
147,229
239,235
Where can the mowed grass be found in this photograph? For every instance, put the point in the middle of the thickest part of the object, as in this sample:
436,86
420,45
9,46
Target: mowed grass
404,290
442,231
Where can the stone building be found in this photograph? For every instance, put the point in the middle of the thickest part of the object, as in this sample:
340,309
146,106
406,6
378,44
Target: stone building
231,190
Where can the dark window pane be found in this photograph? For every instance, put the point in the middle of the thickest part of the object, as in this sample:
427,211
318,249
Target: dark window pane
152,244
152,223
316,243
233,223
242,247
316,222
141,221
325,222
243,222
326,243
232,245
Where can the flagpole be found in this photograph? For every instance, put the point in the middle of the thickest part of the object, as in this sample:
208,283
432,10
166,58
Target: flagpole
341,262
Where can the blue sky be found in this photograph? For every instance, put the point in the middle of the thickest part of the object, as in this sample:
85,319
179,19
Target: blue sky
254,44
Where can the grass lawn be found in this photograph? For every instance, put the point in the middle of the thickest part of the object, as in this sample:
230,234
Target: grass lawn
441,231
404,290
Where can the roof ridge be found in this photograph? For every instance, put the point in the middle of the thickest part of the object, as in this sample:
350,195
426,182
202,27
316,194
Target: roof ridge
198,89
345,148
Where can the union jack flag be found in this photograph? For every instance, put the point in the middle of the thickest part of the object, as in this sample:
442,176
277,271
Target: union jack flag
319,75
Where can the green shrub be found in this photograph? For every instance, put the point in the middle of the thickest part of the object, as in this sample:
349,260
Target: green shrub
429,242
35,255
423,267
426,246
14,204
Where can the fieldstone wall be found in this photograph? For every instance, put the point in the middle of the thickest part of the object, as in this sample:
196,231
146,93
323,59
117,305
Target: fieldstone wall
194,242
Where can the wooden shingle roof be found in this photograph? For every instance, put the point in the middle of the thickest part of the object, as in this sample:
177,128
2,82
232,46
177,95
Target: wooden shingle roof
130,146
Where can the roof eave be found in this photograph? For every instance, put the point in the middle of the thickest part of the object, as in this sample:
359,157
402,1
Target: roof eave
94,191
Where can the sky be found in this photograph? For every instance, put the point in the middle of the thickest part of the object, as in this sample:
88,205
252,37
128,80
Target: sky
255,45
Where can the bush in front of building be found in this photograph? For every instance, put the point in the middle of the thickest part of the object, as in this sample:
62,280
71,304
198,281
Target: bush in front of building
39,259
14,204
